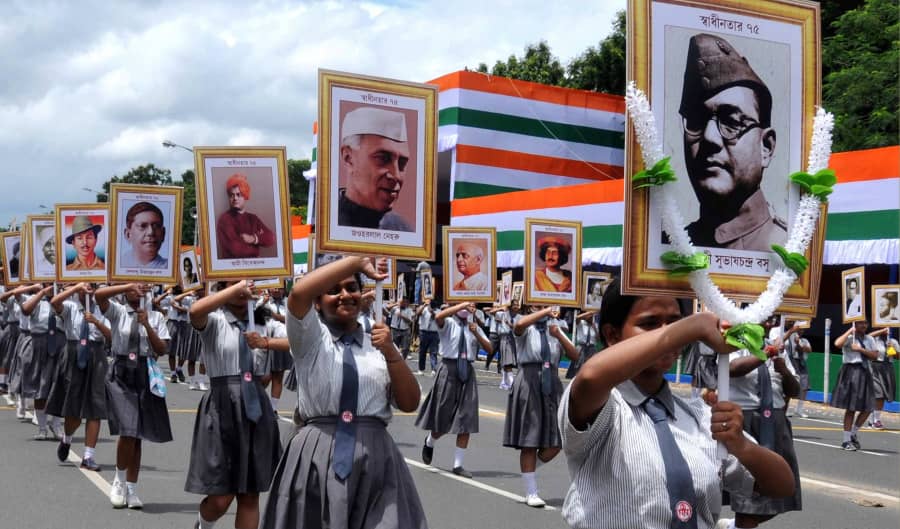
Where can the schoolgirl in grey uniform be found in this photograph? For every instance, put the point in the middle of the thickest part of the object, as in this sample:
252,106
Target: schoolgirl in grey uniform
236,441
17,332
505,319
342,469
883,376
8,339
638,454
189,345
585,340
80,391
531,407
39,355
279,361
164,303
452,403
429,342
134,413
747,377
855,389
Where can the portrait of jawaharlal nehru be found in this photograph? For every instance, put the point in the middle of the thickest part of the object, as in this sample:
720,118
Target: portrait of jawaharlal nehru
374,152
726,112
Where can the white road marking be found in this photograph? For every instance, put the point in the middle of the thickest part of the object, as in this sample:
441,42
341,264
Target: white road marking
838,447
471,482
849,491
836,423
93,477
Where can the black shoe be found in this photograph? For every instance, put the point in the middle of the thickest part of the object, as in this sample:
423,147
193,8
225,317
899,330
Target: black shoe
848,446
174,378
855,442
90,464
427,453
62,451
461,472
180,376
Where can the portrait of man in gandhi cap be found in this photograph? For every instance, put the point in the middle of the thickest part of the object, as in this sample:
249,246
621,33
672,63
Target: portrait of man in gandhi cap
374,153
726,117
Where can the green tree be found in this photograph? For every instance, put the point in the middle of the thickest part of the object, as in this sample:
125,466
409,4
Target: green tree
143,174
601,69
860,87
537,65
299,186
189,211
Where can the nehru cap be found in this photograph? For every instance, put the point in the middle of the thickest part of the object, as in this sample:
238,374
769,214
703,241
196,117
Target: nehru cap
371,120
714,65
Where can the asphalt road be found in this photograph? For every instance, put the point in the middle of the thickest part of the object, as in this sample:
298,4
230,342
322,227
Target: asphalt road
856,490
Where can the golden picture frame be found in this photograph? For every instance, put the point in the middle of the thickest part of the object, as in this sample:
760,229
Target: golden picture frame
190,274
853,294
82,253
885,306
470,264
252,237
592,299
552,278
42,250
400,118
11,255
427,286
146,251
781,39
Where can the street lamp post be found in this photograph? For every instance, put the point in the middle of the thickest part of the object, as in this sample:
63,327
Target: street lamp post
171,145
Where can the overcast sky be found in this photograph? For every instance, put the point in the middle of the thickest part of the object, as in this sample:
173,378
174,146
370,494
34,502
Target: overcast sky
91,88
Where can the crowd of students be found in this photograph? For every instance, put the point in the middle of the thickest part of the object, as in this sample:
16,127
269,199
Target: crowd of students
638,453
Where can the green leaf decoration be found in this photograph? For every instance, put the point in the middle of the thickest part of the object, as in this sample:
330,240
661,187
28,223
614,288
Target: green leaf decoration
749,336
682,265
793,260
819,185
659,174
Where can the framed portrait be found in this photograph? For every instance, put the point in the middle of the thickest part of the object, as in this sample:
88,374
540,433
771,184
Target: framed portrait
42,251
315,259
710,69
470,264
594,287
552,262
24,251
189,276
401,286
853,294
377,166
427,281
265,284
11,246
506,281
885,307
242,204
499,294
82,231
800,320
147,223
518,291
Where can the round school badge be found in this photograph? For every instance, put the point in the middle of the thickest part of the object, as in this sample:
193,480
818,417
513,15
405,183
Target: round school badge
546,365
132,356
83,341
683,510
347,416
767,413
248,376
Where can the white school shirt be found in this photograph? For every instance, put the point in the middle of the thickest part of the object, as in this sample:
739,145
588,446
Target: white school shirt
73,315
585,333
617,471
13,310
502,320
427,321
318,363
120,318
745,389
449,336
221,345
40,318
853,357
528,346
399,323
276,307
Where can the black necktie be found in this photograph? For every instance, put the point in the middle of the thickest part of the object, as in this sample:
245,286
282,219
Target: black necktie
545,358
766,422
134,335
84,350
345,433
51,332
462,363
679,483
367,325
249,395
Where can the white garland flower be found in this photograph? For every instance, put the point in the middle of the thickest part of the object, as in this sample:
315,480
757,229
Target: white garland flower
799,237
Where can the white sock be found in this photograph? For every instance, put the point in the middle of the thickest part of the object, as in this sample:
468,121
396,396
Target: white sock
876,415
204,524
729,523
800,407
20,404
41,418
695,392
846,436
3,378
67,439
56,421
530,482
131,487
458,456
854,429
429,441
274,403
88,452
120,475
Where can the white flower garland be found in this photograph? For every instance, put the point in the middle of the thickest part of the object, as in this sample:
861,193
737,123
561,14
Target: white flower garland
801,231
